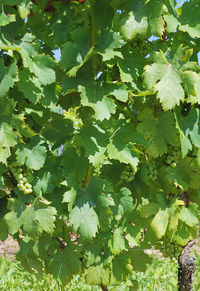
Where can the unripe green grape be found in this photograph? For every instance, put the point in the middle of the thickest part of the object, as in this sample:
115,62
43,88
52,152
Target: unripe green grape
28,186
20,187
19,176
26,191
23,188
173,165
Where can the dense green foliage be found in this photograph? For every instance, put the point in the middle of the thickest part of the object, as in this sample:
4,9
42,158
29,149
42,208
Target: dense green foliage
128,177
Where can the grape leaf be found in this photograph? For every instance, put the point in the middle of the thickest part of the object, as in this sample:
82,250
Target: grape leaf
117,242
159,222
124,156
69,197
93,139
189,216
97,275
155,18
149,210
139,260
8,139
42,67
74,166
43,183
33,156
186,174
182,235
14,217
46,218
103,8
189,19
190,81
30,86
3,230
6,19
85,219
108,42
189,130
126,199
158,131
133,235
169,89
30,225
95,97
58,130
130,66
121,268
75,54
7,77
65,264
24,8
133,25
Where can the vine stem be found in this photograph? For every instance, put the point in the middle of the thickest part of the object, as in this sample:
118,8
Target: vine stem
186,268
127,111
163,37
87,180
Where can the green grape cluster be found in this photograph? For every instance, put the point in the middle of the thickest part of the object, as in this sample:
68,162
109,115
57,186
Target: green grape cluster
173,156
152,172
140,47
172,250
140,148
22,178
127,174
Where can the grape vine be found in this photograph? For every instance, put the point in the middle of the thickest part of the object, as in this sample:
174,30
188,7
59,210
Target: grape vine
99,128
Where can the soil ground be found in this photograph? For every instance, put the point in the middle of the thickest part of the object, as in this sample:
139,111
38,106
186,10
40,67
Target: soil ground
9,247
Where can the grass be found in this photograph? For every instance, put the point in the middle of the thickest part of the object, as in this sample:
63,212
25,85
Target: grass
161,275
14,278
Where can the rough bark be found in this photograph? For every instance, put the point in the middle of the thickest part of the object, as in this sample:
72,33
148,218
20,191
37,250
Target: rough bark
104,288
186,268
